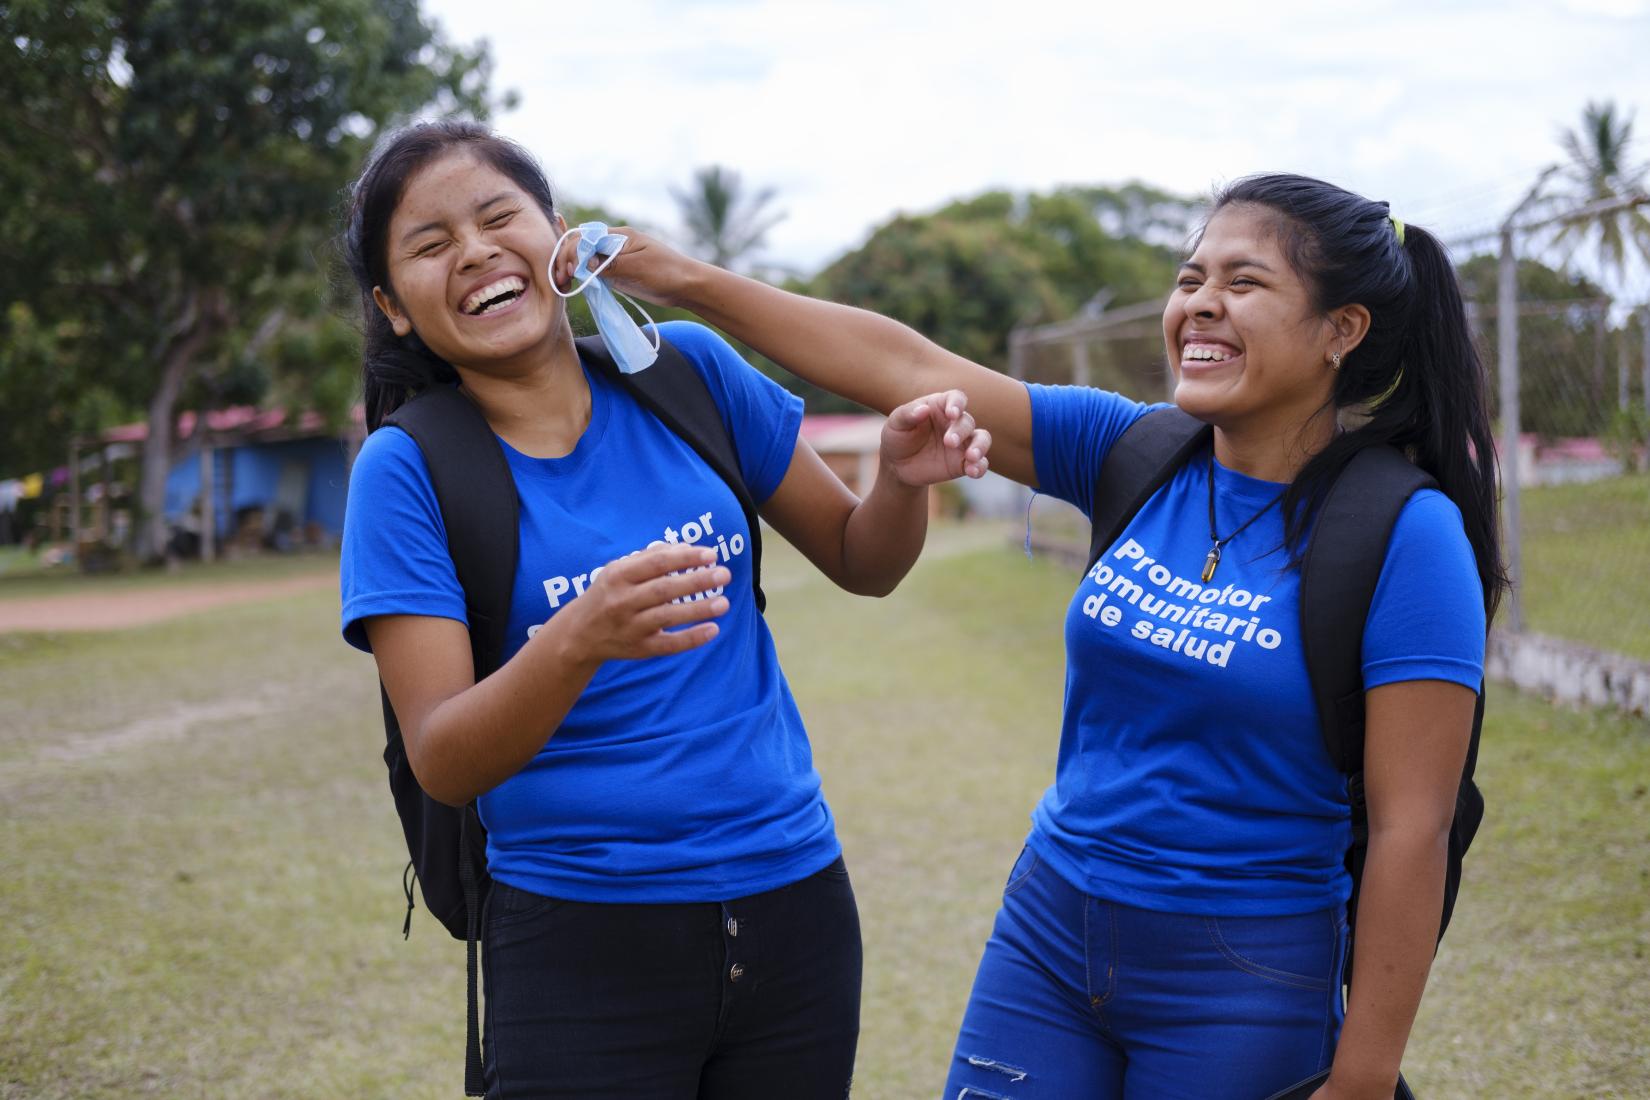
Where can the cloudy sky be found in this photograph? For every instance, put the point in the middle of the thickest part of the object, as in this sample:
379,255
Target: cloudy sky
859,109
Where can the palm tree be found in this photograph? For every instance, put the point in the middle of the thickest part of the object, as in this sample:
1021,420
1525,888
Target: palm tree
1599,170
725,222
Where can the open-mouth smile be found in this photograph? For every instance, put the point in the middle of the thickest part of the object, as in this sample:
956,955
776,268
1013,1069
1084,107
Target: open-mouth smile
495,296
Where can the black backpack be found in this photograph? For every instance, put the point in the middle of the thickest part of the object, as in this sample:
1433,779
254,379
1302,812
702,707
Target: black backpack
479,507
1338,576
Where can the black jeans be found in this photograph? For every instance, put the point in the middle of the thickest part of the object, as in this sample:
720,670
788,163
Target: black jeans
751,999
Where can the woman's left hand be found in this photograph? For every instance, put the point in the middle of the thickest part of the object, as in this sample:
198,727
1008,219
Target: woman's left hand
644,268
933,439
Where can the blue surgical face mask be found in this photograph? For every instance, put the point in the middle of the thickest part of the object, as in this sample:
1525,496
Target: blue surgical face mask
631,348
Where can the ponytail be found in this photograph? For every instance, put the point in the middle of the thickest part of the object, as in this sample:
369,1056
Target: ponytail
394,369
1416,377
1446,423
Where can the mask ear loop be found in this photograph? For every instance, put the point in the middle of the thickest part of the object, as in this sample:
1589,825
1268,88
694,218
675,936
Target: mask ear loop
646,317
556,251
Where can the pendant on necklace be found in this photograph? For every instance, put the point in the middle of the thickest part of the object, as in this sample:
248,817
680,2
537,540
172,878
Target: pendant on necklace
1210,562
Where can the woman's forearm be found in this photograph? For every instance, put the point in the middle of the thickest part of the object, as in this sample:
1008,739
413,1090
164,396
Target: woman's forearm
884,535
480,737
464,738
1400,902
860,355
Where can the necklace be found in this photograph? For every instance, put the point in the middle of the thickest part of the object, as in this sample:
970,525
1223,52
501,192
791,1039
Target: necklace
1213,560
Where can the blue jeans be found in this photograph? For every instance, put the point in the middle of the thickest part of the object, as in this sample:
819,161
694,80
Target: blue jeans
749,999
1079,997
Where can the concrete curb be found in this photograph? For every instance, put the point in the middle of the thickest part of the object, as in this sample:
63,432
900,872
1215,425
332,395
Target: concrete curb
1569,672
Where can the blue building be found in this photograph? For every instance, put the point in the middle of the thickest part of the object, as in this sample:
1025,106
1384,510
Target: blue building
276,479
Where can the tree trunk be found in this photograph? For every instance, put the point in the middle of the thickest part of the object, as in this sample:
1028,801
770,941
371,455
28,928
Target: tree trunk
157,452
177,353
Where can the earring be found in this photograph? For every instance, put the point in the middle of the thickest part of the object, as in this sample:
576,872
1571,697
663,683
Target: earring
1335,360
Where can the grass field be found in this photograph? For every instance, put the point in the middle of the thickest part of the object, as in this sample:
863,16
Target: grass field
200,879
16,562
21,575
1587,563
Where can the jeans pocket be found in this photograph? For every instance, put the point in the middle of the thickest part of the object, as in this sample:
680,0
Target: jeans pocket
1297,951
836,869
1024,867
509,906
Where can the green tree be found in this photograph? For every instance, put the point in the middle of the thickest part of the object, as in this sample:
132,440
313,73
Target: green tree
967,274
1558,334
725,222
1083,256
1144,212
1601,168
962,281
176,167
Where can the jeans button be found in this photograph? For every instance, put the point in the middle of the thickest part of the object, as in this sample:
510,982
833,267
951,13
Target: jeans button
736,972
733,927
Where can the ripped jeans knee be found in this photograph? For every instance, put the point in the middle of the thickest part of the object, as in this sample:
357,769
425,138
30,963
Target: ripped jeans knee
1011,1075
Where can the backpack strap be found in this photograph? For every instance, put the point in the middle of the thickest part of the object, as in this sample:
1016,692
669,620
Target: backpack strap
1142,460
673,390
480,509
477,494
1339,572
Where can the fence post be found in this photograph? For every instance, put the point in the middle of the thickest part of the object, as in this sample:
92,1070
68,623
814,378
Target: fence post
1017,354
74,499
1506,326
1644,366
1624,370
1600,331
208,499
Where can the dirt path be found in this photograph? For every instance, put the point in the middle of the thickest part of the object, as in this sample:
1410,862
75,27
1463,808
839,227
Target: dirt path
87,611
118,610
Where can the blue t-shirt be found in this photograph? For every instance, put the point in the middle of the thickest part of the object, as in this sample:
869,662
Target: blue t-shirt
680,778
1192,775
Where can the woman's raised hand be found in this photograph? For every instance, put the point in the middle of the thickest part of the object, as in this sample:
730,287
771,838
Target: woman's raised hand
645,268
649,604
933,439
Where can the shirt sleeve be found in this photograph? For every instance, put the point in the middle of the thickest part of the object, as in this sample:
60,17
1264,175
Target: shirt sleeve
1426,621
1072,430
762,416
394,558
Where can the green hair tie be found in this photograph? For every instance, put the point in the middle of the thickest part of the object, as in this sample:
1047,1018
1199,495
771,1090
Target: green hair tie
1398,226
1397,379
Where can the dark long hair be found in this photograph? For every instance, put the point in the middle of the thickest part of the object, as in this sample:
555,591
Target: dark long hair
1417,373
394,368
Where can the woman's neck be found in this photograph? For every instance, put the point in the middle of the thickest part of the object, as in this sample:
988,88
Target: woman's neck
540,408
1268,454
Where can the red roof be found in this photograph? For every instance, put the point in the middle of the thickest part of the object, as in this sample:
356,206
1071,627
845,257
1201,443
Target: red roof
239,420
1565,448
827,423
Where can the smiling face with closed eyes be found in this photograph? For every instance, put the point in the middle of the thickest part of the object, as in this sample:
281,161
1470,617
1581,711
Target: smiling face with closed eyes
1250,350
468,254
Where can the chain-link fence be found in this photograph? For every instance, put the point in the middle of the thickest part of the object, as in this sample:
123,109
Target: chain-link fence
1575,472
1563,333
1120,349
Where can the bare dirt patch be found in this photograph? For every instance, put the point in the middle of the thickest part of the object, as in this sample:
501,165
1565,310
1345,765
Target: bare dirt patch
176,723
82,611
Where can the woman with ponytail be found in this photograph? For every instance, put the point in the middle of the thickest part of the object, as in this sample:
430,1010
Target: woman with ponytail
1176,924
670,915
